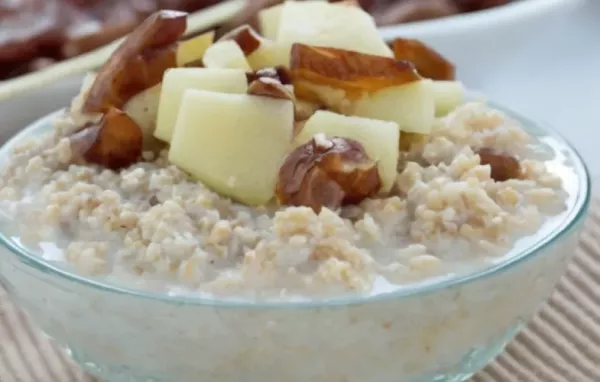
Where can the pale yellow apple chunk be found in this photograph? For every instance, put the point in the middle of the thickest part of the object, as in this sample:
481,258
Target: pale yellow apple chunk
380,139
177,81
233,143
269,20
269,55
336,25
194,48
225,54
411,106
448,96
143,107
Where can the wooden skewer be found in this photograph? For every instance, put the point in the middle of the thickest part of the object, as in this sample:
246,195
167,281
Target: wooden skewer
197,21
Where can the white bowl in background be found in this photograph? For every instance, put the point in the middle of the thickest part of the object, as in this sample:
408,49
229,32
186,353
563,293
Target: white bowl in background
21,110
480,41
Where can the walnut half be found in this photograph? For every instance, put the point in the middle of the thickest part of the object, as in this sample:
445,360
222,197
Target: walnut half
327,173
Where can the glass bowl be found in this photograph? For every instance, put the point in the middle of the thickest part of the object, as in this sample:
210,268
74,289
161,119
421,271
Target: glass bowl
442,331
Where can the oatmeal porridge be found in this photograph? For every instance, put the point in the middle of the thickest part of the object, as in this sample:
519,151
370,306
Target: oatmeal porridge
240,177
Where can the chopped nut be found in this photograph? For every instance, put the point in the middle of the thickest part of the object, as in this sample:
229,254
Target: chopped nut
245,37
138,63
429,63
353,72
115,142
278,73
503,166
327,173
269,87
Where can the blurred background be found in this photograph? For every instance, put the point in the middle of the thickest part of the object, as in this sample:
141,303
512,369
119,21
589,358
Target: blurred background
538,57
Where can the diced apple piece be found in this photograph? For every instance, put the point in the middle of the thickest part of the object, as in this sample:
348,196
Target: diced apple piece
193,49
429,63
304,109
411,106
269,20
270,54
379,139
337,25
233,143
138,63
76,110
177,81
334,99
225,54
143,108
355,73
448,96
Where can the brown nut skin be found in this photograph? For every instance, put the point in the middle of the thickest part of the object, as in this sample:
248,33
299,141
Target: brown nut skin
503,166
429,63
138,63
115,142
327,173
279,73
247,38
269,87
355,73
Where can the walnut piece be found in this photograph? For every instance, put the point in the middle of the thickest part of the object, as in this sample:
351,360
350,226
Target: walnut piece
246,37
429,62
503,166
279,73
269,87
327,173
138,63
115,142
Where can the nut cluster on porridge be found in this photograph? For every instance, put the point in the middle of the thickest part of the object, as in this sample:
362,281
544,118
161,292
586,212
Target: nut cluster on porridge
315,161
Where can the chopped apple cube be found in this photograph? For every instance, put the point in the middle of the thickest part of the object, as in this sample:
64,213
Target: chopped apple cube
269,20
193,49
411,106
177,81
305,109
448,96
269,55
379,139
143,107
233,143
334,25
225,54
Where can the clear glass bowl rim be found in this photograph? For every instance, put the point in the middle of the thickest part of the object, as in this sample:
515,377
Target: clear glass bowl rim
572,219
